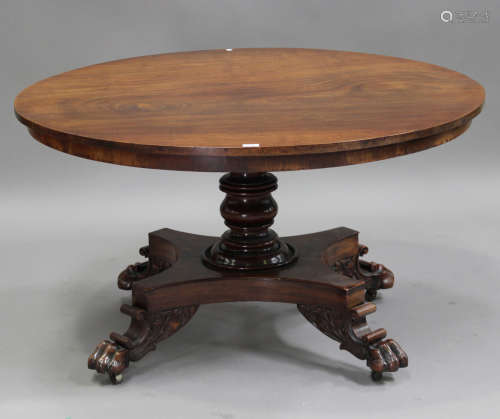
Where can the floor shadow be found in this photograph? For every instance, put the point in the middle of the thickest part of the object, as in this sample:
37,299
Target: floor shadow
257,333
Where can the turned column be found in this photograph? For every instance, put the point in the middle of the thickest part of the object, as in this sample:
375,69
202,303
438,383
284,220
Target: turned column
249,211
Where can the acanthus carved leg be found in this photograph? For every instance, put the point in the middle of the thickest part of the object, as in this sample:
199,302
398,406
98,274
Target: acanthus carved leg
375,275
349,327
140,270
145,331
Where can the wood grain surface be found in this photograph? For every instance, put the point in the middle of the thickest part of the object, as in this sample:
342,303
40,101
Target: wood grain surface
250,109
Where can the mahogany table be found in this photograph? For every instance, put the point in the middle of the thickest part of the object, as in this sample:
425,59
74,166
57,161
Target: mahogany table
249,112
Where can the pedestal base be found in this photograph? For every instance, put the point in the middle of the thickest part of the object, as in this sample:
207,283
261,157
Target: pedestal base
249,210
328,282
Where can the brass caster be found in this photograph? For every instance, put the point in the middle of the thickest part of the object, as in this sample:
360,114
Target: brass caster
116,379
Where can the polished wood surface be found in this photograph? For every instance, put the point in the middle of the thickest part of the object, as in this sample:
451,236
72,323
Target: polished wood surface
208,110
250,111
249,210
329,283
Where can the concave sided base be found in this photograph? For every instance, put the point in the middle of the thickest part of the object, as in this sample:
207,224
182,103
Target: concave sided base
328,281
249,211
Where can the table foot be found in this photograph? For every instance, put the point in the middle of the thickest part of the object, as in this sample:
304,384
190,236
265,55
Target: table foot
109,358
348,327
146,329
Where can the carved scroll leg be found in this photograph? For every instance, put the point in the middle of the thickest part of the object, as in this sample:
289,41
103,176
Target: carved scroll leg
375,275
141,270
145,331
348,326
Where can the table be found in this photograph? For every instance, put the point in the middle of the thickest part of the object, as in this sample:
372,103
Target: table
249,112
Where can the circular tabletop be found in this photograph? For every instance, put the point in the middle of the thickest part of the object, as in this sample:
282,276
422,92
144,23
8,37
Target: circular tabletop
249,110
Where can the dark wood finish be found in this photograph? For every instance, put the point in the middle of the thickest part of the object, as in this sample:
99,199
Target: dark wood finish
250,111
145,331
334,301
249,210
305,109
141,270
349,327
375,275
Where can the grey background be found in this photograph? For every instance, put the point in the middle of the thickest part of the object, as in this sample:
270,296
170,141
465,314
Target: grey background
68,226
